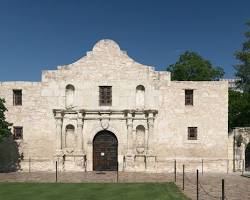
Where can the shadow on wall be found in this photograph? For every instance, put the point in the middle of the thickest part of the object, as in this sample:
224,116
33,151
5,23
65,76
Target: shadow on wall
9,155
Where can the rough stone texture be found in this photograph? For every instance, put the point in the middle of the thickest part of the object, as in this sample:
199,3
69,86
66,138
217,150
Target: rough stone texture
238,138
44,116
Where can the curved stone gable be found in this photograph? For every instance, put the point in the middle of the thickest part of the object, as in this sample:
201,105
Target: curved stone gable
106,60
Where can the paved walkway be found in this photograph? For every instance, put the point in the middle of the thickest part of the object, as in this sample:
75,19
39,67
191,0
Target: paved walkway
236,186
210,186
78,177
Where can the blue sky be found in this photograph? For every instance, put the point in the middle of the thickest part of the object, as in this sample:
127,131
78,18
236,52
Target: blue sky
39,35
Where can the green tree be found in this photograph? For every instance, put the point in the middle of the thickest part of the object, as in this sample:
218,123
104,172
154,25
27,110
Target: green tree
239,109
192,67
4,125
243,68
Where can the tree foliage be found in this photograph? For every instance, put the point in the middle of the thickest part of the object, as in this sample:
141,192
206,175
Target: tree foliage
239,109
4,125
192,67
243,68
239,102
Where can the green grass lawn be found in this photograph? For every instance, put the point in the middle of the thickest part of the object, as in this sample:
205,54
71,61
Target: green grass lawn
91,191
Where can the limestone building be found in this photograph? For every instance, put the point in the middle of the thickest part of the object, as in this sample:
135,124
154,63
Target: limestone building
106,111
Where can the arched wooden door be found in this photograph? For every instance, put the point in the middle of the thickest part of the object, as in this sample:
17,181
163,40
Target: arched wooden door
105,151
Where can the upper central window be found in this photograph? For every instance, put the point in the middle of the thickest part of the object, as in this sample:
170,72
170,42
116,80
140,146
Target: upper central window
105,95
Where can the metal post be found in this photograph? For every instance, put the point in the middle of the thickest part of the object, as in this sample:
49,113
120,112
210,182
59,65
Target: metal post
183,174
56,171
85,163
197,184
202,163
123,166
234,153
174,170
223,190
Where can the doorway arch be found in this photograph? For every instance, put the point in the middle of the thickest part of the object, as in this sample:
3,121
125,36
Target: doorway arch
247,157
105,151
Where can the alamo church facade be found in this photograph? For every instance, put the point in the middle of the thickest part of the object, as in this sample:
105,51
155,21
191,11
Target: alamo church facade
108,112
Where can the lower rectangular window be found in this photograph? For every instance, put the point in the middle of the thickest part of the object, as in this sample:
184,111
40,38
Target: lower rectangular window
192,133
18,133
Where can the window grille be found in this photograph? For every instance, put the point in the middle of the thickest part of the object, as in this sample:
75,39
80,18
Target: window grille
18,133
17,97
192,133
189,97
105,95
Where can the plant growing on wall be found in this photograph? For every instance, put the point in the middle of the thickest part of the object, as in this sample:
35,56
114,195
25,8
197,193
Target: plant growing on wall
4,125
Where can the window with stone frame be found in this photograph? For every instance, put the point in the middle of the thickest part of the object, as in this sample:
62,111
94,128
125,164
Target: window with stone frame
18,132
189,97
17,97
192,133
105,95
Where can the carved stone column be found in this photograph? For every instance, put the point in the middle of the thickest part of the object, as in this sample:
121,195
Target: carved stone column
146,140
150,157
129,134
150,133
79,134
58,117
129,158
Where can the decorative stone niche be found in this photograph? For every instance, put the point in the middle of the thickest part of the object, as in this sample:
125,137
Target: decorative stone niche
70,137
140,97
69,96
140,139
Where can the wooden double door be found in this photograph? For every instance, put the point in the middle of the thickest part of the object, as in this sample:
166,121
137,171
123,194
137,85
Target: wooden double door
105,151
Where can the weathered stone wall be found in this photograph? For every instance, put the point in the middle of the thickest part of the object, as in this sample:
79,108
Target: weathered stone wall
239,138
209,114
34,115
107,65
